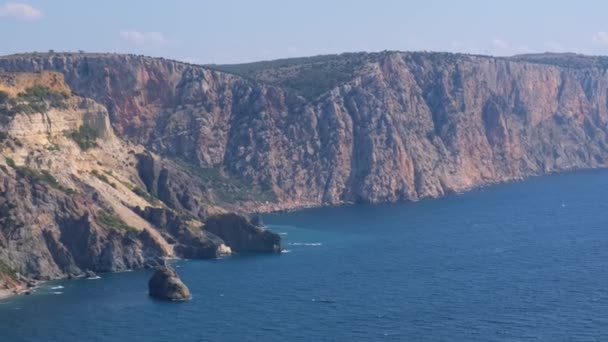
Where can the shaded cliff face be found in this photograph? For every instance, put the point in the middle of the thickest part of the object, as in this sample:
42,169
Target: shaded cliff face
390,126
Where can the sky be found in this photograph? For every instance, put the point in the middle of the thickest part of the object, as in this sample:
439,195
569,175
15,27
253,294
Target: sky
233,31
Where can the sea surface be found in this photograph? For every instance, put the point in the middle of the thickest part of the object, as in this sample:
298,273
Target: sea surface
525,261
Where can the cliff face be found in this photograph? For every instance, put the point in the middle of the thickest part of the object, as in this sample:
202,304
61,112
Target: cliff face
382,127
133,159
75,197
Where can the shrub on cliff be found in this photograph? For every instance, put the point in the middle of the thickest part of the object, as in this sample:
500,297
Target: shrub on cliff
41,94
110,220
85,137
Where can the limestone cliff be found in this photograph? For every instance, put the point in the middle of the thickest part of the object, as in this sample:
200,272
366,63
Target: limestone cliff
127,160
356,127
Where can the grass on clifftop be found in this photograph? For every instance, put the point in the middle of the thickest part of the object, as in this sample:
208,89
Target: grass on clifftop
308,76
39,93
36,99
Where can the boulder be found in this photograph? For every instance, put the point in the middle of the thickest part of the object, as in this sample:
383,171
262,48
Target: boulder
165,284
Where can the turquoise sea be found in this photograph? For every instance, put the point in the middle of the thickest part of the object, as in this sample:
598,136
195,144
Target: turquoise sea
524,261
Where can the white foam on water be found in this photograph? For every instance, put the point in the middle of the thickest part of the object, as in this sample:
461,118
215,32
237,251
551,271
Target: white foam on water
57,292
57,287
282,226
94,278
306,244
285,251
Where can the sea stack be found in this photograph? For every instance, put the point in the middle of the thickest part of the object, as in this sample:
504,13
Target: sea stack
165,284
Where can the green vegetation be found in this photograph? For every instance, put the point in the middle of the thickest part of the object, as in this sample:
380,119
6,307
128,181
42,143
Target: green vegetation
103,178
3,97
10,162
143,194
85,137
140,192
28,108
112,221
5,269
41,176
229,189
36,99
40,93
566,60
308,76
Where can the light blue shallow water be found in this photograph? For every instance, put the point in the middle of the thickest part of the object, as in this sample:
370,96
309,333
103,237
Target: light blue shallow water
525,261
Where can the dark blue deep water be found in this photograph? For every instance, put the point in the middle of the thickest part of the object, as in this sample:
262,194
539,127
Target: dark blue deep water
524,261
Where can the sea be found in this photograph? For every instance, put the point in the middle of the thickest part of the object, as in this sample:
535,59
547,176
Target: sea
522,261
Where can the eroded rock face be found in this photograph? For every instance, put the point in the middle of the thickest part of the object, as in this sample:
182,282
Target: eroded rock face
49,233
165,284
186,234
401,126
241,235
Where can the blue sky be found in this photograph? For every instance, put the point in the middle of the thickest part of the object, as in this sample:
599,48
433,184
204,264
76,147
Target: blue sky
230,31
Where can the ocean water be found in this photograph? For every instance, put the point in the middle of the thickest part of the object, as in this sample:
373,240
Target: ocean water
524,261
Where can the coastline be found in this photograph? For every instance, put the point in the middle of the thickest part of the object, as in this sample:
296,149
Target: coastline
16,291
284,207
23,289
4,294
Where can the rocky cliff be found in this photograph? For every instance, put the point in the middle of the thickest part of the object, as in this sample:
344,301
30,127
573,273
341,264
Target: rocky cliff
75,198
356,127
133,159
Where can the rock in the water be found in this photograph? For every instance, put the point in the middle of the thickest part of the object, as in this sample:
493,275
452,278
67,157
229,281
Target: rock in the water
257,221
241,235
90,274
166,284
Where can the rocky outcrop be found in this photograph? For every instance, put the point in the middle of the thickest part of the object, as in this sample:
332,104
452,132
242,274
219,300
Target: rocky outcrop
52,233
165,284
241,235
387,126
71,193
10,283
186,234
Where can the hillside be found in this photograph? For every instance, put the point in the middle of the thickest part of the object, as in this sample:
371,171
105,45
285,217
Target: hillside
306,76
